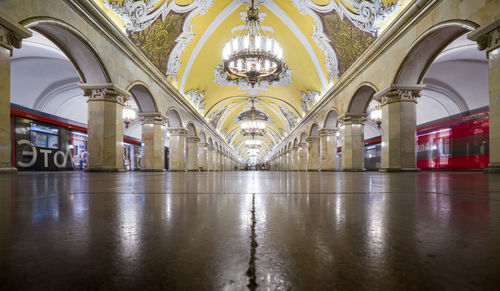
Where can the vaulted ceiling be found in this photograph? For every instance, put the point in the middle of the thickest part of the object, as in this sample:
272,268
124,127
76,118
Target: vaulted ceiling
184,39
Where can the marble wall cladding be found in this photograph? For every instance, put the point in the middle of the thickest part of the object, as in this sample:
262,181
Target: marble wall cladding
399,136
313,153
177,147
153,136
328,150
295,158
5,127
192,155
494,79
105,135
353,147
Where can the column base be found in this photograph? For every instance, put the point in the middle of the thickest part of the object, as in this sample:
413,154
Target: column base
152,170
353,170
492,170
329,170
8,170
177,170
105,170
193,170
399,170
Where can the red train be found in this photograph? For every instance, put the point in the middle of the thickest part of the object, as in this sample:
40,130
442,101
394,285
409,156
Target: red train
458,142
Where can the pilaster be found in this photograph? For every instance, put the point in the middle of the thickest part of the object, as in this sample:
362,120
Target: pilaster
352,132
295,158
177,147
488,39
192,153
105,126
153,136
302,156
328,149
11,36
203,156
313,153
399,126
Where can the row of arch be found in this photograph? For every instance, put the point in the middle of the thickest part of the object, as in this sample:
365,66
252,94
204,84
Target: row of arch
91,70
412,70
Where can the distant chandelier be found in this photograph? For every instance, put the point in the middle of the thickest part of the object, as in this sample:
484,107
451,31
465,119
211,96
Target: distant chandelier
253,122
253,56
128,115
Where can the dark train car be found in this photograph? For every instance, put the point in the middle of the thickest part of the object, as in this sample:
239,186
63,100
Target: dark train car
458,142
44,142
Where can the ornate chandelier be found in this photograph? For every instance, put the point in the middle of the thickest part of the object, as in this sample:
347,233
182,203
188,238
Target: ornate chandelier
253,56
376,115
253,122
128,115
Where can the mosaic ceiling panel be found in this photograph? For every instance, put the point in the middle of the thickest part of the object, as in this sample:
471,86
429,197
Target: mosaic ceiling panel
321,39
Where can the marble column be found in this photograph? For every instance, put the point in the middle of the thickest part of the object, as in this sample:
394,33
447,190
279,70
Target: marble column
295,158
177,147
488,39
399,127
289,160
105,126
313,153
192,153
353,141
303,156
203,156
211,153
11,36
218,161
328,149
153,136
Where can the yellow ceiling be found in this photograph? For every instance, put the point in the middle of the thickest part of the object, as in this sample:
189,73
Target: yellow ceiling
209,23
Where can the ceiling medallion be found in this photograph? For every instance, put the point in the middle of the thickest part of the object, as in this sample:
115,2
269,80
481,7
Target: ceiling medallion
252,56
253,122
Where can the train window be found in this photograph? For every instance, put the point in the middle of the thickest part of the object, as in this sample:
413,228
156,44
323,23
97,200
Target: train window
44,136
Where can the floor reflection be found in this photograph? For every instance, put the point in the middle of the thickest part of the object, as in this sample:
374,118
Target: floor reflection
314,231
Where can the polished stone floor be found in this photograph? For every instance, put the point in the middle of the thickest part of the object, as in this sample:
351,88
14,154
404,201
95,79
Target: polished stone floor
250,230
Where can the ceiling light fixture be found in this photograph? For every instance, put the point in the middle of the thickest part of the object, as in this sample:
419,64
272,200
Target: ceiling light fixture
253,56
253,122
128,115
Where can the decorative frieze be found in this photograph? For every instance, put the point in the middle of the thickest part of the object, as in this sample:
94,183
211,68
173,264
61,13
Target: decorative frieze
397,93
192,139
177,131
487,37
352,118
328,132
153,118
104,92
11,33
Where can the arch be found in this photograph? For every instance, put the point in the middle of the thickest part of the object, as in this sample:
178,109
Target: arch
191,129
210,142
331,119
143,97
295,142
75,46
427,47
314,130
173,118
203,137
303,137
360,100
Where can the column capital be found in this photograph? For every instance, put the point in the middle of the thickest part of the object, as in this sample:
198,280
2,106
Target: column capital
295,148
312,139
203,145
210,148
192,139
352,118
104,92
487,36
153,118
177,131
328,131
12,33
302,144
398,93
